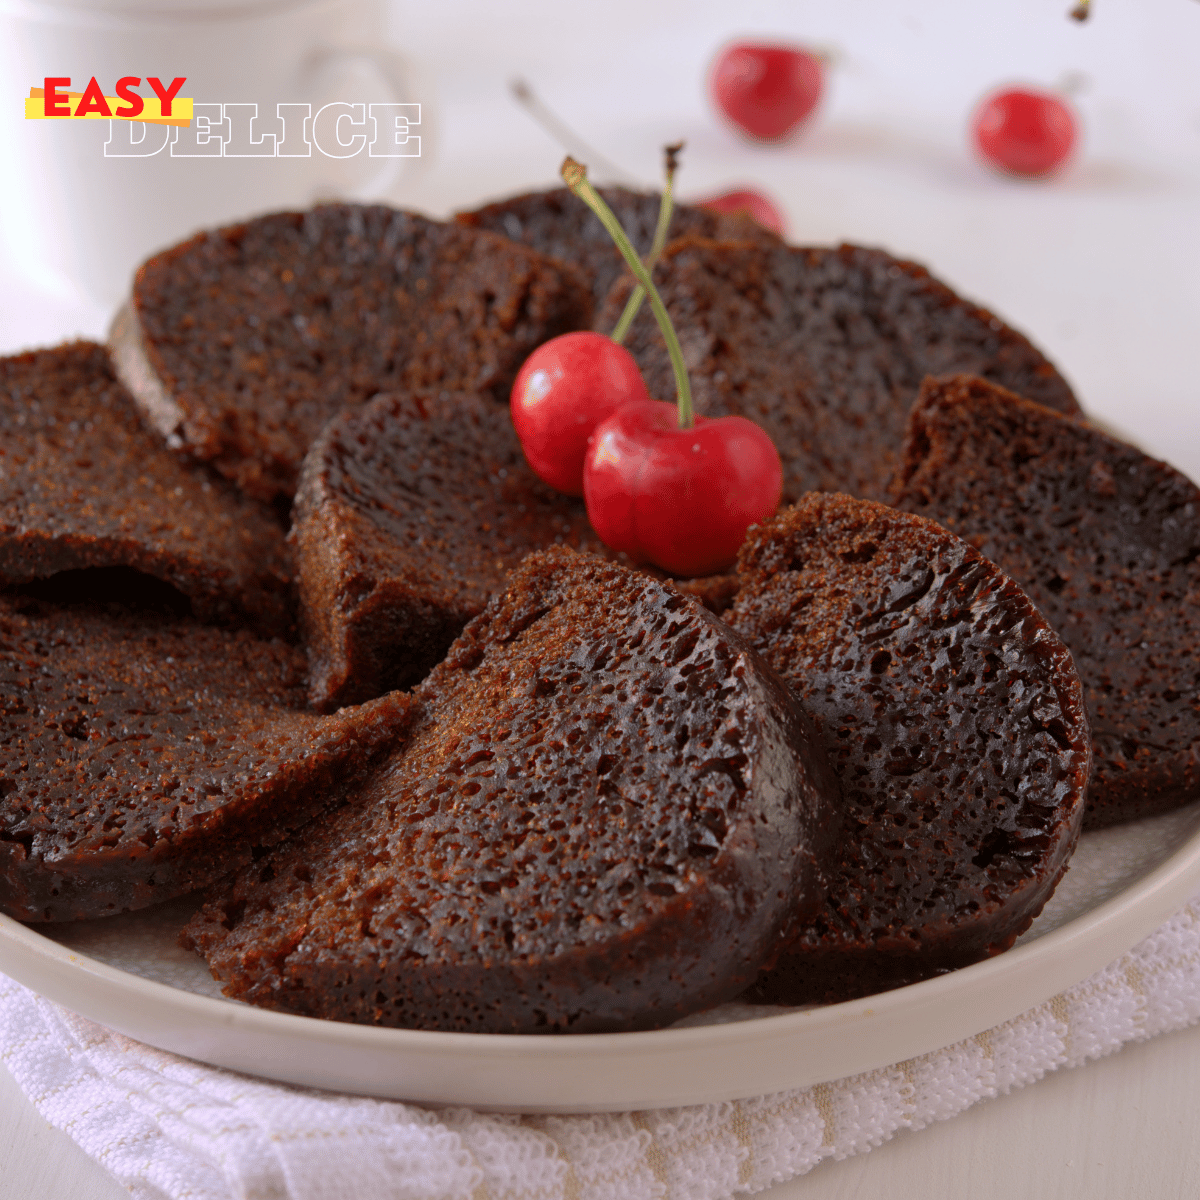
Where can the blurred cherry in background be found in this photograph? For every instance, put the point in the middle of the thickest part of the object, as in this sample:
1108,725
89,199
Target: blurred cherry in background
753,203
1025,131
766,90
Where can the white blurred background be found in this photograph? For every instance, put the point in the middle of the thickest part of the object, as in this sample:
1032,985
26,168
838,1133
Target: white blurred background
1100,265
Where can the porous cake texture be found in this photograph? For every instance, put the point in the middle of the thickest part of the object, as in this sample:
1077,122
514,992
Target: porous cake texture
83,484
409,514
1105,540
954,719
606,814
143,755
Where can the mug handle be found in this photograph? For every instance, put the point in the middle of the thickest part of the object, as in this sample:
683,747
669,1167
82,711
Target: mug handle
397,75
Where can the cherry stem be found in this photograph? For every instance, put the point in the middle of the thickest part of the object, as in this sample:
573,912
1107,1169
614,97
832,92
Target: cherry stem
665,208
563,134
575,176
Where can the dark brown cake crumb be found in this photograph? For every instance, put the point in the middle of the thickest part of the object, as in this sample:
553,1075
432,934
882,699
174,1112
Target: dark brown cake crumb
954,719
260,333
825,349
559,224
605,811
83,485
143,756
1105,540
715,592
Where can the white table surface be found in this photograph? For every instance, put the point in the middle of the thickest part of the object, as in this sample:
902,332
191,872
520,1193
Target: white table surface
1101,267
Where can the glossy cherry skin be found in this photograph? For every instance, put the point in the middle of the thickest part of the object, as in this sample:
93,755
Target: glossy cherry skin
564,389
679,498
1024,132
765,90
754,204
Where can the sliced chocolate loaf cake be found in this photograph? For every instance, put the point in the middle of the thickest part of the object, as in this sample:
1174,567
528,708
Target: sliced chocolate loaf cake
954,720
409,514
83,484
603,817
824,348
1105,540
143,755
242,342
559,224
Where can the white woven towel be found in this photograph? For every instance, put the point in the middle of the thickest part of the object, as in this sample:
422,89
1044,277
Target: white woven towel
165,1126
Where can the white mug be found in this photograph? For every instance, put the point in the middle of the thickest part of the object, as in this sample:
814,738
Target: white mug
294,102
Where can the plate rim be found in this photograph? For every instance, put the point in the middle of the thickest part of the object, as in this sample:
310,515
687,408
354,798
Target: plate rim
525,1073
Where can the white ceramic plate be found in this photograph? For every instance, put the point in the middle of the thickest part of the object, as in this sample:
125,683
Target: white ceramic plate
127,973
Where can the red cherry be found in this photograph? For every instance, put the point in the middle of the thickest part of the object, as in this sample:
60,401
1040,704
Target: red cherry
766,90
679,498
754,204
1023,131
564,389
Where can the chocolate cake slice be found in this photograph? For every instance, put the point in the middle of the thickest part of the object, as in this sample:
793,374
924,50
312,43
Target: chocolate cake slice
603,817
954,719
559,224
409,514
1105,540
241,343
143,755
83,484
824,348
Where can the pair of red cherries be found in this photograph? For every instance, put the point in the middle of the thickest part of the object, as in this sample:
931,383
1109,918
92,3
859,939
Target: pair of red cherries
768,91
661,484
679,496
